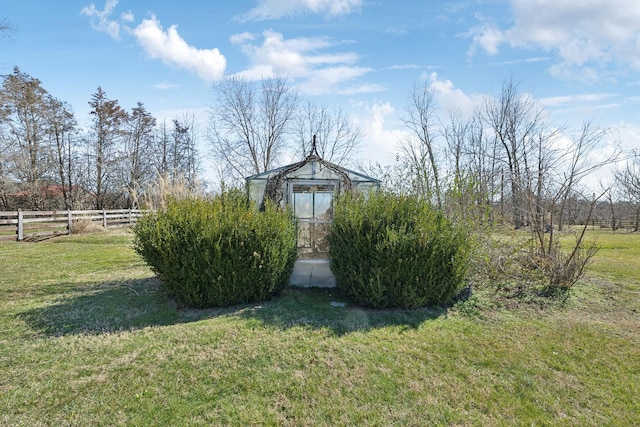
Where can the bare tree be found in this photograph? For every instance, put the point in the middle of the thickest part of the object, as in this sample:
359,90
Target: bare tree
393,177
249,123
186,158
102,146
418,150
40,138
23,106
162,150
516,122
558,175
466,196
545,168
63,136
4,179
176,159
5,28
580,163
337,137
136,168
628,179
4,158
456,133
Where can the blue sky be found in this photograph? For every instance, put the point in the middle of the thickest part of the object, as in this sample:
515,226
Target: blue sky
579,59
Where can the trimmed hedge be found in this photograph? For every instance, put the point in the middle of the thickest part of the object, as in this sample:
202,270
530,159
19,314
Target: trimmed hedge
396,251
219,252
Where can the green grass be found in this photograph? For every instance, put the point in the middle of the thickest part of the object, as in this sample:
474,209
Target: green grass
619,255
87,337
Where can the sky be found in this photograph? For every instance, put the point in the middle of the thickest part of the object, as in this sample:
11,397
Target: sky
579,59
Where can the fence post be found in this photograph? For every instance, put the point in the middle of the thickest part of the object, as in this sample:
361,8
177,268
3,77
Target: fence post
104,218
69,222
130,216
20,225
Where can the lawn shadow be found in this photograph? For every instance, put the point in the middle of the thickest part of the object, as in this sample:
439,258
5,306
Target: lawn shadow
112,307
329,308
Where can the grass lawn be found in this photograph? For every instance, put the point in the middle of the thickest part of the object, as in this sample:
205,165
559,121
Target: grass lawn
87,337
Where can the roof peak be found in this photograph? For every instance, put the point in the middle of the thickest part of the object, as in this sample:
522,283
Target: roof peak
314,148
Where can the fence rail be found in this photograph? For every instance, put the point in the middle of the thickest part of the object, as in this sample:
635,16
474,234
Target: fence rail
35,225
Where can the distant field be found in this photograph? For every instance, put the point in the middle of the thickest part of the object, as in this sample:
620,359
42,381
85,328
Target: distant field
87,337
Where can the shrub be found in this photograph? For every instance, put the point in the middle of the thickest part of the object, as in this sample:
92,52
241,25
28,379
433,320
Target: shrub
560,269
395,251
218,252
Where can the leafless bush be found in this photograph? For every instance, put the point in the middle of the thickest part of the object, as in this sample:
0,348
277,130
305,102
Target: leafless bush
496,257
562,269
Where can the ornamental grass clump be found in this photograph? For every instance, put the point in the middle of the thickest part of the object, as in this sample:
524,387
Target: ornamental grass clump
218,252
396,251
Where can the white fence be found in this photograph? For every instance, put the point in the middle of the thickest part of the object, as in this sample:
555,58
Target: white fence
35,225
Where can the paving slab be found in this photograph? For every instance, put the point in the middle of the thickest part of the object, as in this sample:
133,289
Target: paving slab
313,273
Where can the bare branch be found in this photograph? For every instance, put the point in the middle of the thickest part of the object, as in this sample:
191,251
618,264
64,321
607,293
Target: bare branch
337,137
419,150
248,124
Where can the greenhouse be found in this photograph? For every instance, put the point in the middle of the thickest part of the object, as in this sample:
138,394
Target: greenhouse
308,187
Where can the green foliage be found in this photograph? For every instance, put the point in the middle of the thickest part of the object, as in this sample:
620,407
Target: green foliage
396,251
219,252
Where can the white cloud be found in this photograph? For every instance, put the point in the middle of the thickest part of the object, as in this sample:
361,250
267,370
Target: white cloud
165,86
172,49
318,81
628,134
281,56
241,38
361,88
587,36
526,60
396,31
381,137
275,9
489,37
169,46
404,67
100,18
127,17
305,61
572,100
451,98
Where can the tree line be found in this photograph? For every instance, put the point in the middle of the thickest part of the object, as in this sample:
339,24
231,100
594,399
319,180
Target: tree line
125,158
505,163
508,163
48,161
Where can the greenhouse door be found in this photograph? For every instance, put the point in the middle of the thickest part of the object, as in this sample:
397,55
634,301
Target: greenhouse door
312,203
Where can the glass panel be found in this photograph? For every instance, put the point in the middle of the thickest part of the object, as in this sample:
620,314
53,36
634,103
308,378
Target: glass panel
323,208
303,205
313,201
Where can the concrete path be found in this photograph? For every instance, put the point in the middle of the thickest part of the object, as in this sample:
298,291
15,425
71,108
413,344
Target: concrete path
312,273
